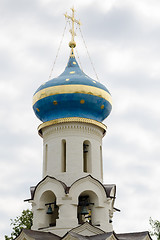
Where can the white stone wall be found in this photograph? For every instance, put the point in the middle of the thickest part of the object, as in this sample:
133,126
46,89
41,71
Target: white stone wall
74,135
79,167
67,203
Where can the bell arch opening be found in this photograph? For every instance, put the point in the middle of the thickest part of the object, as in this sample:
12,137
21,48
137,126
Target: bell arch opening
49,208
87,201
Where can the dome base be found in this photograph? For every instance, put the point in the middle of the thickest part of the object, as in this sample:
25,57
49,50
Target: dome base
71,119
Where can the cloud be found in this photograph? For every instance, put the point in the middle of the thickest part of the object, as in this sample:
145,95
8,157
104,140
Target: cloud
123,41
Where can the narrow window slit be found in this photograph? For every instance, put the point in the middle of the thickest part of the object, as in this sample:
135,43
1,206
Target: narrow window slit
63,155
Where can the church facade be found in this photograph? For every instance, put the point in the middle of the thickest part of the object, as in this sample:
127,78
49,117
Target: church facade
71,201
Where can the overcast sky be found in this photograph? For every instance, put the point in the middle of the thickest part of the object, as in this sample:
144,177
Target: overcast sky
123,39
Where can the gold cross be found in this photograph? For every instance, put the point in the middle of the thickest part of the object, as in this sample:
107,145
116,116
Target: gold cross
72,43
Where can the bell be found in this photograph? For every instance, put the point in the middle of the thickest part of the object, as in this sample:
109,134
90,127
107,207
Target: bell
85,148
49,211
84,210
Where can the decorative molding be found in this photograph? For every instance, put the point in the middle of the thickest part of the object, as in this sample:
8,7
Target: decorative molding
91,179
44,182
71,120
74,129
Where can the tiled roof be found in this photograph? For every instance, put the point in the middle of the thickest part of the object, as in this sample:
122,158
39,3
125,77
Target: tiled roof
102,236
38,235
133,236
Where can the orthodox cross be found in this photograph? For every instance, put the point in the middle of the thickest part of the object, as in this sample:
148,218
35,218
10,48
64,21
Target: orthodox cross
72,43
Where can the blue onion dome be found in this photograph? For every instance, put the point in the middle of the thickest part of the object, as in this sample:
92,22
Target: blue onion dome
72,94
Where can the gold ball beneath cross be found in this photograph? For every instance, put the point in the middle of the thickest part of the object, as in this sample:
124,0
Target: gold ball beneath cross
72,44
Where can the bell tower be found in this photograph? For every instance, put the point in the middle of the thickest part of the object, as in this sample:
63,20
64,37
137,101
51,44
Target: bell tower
71,192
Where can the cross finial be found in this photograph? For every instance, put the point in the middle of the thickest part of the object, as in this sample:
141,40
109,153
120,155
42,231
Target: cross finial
72,43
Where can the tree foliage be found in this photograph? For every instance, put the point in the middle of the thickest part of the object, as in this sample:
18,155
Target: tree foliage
23,221
155,224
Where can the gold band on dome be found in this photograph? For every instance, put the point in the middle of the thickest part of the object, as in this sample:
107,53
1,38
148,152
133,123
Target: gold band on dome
71,119
62,89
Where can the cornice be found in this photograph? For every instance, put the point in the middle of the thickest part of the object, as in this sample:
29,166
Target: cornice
57,123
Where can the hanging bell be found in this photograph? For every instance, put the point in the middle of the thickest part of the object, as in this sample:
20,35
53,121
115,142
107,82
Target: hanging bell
85,148
84,210
49,211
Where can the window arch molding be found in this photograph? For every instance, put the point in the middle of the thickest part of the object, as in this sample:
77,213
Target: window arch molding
51,184
90,184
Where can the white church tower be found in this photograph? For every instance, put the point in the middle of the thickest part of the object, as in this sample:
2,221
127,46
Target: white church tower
71,193
71,202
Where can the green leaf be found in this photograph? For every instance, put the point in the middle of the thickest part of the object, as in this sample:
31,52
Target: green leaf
22,222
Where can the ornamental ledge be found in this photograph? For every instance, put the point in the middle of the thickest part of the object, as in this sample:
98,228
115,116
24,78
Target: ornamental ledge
71,120
76,129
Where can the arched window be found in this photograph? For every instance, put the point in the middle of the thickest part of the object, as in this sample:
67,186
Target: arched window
50,209
63,154
86,207
84,211
86,156
101,162
46,158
